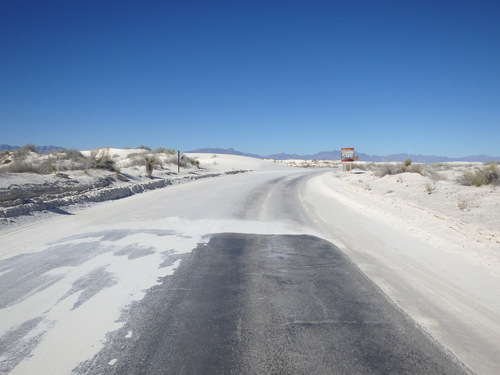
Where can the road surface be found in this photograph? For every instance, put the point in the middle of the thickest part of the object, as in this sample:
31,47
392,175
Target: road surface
238,274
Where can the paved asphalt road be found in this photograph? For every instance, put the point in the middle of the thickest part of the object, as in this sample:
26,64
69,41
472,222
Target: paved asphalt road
269,304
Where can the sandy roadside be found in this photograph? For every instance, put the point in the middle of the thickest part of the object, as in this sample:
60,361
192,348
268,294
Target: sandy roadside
441,270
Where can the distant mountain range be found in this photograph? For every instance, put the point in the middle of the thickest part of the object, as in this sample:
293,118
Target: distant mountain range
324,155
227,151
41,149
336,155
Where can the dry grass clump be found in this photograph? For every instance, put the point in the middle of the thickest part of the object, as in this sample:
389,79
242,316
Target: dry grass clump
364,166
25,151
161,150
20,161
150,162
388,169
159,158
407,166
100,159
24,166
391,169
137,159
68,160
27,159
489,174
5,157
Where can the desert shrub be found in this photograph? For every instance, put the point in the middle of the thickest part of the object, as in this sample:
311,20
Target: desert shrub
430,172
186,162
488,174
134,155
70,160
42,166
5,157
170,159
60,160
195,163
161,150
387,169
100,159
31,147
470,178
430,188
138,159
441,166
135,160
71,154
407,163
150,163
144,148
492,173
462,204
417,168
364,166
23,152
26,160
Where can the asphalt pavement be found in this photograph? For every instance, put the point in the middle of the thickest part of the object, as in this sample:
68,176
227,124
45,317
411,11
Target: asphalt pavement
268,304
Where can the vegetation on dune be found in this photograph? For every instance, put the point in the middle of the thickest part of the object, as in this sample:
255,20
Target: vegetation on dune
161,150
150,162
406,166
390,169
488,174
100,159
27,159
159,158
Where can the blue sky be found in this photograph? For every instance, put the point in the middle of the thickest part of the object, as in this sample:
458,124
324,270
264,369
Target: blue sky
259,76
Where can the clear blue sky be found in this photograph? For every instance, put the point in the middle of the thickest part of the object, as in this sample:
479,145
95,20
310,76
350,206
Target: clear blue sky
259,76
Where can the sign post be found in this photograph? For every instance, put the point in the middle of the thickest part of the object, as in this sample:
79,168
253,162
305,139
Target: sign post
347,154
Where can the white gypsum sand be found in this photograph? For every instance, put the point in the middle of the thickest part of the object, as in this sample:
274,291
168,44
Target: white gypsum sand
412,235
440,266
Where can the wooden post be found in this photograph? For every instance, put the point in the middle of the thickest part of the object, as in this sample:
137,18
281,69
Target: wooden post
178,161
